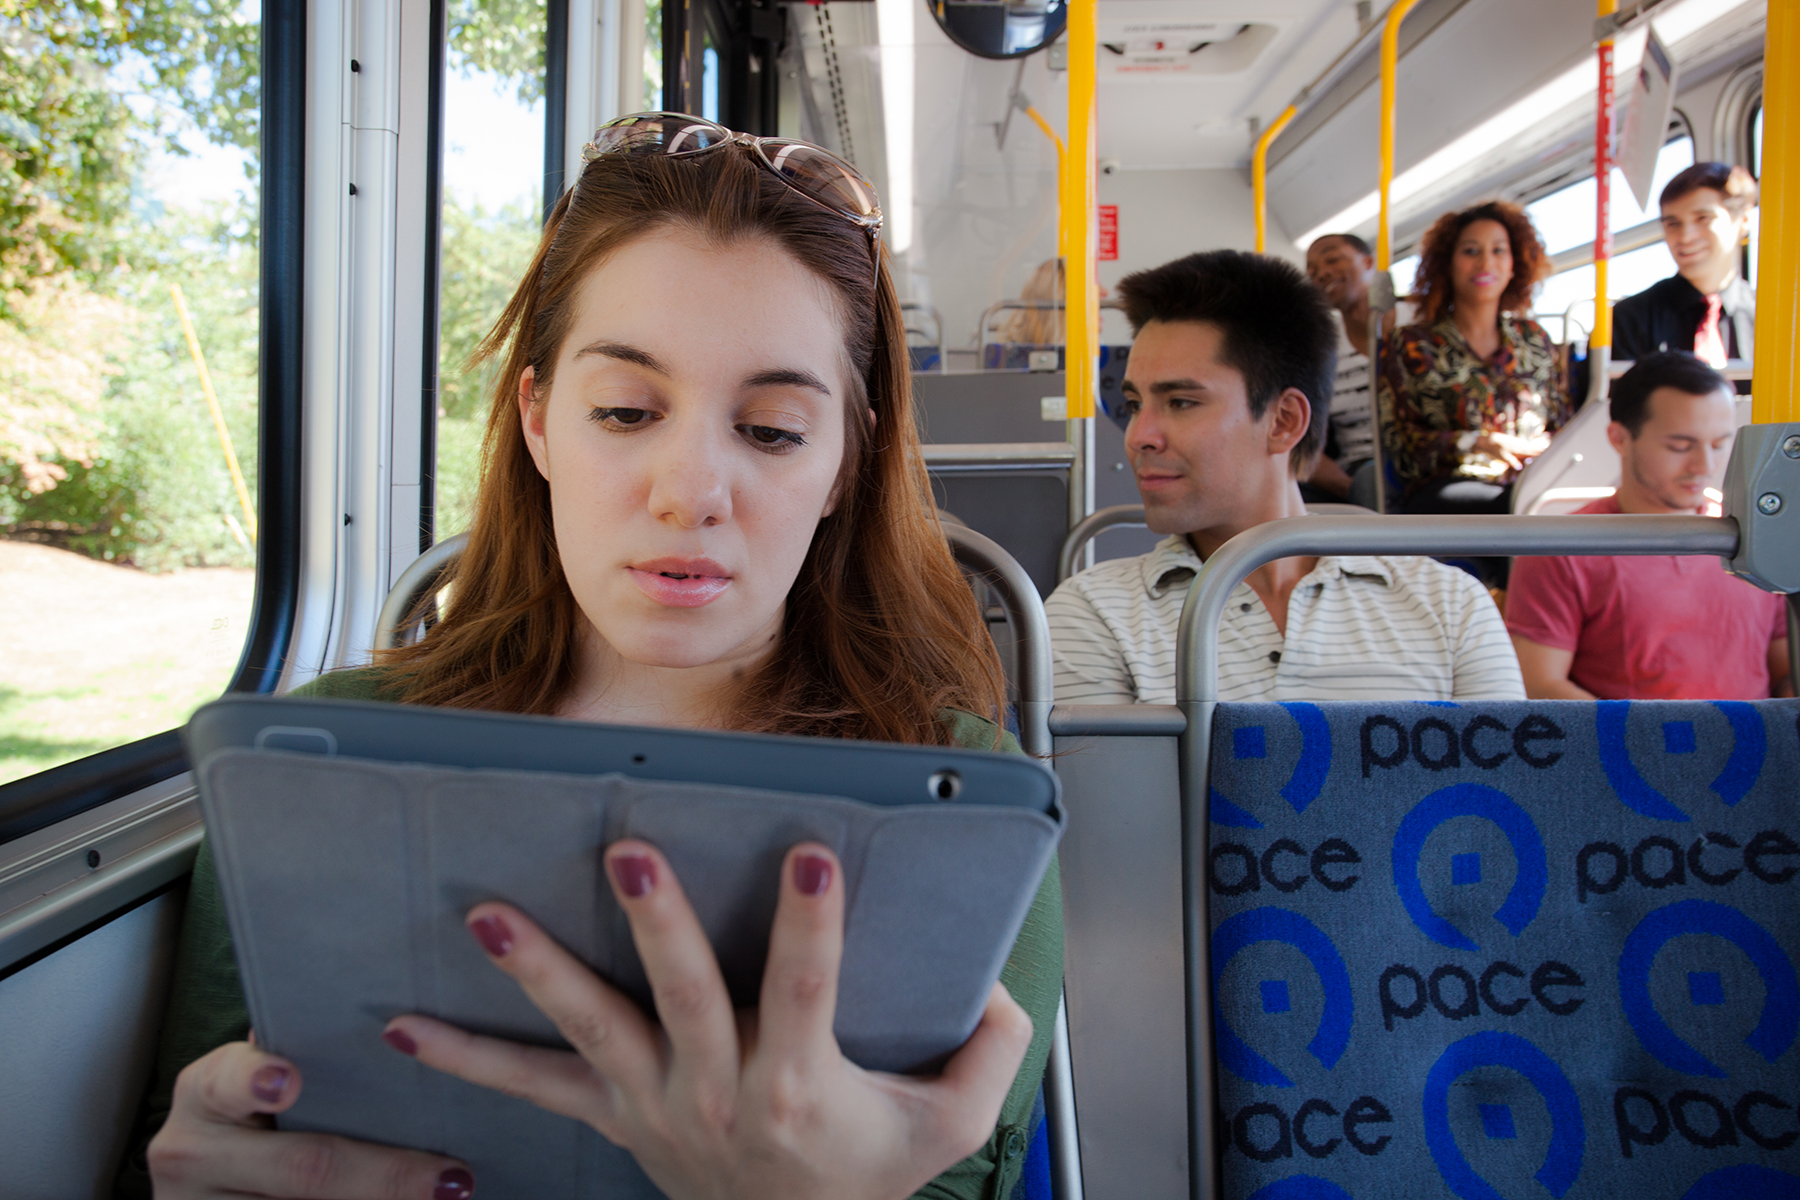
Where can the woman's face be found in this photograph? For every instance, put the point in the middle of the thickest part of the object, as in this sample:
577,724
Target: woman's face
1482,264
691,438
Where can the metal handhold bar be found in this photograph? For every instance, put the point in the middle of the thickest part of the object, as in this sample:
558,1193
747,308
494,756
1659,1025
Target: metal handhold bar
404,607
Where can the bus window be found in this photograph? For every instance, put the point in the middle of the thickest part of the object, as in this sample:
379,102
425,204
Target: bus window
128,372
493,204
653,58
1565,217
1565,220
1756,141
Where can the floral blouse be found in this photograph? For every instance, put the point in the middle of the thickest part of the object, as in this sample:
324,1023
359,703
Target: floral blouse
1437,395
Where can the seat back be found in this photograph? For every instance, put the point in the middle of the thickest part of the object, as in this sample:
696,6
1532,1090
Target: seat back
1122,957
1518,948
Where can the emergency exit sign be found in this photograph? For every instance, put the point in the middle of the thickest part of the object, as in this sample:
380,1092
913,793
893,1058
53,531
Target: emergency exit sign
1109,233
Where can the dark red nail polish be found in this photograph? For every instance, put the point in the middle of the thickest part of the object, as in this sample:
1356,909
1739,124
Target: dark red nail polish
635,873
493,934
269,1082
812,874
398,1039
454,1184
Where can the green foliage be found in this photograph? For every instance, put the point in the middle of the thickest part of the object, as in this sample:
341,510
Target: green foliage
66,162
505,37
70,145
484,257
653,54
154,490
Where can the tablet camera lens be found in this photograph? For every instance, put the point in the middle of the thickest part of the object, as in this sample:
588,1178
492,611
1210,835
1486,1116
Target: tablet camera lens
944,785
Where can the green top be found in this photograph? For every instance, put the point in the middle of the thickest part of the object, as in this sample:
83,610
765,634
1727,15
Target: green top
206,1004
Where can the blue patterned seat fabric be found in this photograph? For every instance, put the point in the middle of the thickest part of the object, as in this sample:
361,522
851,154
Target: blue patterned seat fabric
1520,950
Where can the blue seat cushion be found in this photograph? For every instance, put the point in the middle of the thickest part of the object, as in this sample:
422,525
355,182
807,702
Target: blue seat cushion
1542,949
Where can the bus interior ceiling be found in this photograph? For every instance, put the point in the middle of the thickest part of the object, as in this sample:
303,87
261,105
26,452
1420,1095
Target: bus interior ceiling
1496,99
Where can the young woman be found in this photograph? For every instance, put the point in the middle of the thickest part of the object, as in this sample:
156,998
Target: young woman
1474,390
703,505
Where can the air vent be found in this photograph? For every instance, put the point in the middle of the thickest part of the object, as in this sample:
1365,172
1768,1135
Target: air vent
1149,49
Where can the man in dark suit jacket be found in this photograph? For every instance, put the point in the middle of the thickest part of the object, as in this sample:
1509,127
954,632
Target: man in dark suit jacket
1707,309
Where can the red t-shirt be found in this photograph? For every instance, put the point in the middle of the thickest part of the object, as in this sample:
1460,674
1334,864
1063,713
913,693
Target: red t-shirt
1651,627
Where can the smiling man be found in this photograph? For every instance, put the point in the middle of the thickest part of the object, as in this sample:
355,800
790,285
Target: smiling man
1227,389
1706,309
1652,627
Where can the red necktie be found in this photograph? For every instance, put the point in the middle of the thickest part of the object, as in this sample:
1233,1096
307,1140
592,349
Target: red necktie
1709,347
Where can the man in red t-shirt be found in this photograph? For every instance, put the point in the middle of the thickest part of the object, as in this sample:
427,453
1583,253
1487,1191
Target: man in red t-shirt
1652,627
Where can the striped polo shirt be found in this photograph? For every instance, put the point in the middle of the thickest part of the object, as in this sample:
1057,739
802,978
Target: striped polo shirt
1358,628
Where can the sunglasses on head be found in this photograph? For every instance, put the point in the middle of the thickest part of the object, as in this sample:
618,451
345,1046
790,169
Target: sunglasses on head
816,173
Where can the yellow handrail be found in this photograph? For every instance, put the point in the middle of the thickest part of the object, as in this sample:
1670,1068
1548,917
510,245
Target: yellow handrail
1778,257
1259,170
1080,194
1390,59
1603,126
212,403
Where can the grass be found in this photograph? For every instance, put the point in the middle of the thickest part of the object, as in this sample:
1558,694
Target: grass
94,655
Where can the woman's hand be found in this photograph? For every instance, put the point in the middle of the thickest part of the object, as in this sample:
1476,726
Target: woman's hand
218,1141
1511,449
717,1105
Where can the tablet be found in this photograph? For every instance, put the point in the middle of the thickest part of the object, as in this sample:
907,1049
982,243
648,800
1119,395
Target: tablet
351,838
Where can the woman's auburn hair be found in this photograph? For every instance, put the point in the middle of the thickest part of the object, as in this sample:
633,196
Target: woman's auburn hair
1433,290
881,633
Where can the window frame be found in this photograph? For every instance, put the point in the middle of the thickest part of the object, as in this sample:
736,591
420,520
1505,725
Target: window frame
38,801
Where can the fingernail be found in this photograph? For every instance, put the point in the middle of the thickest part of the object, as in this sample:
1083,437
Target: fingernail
269,1082
398,1040
636,874
454,1184
493,934
812,874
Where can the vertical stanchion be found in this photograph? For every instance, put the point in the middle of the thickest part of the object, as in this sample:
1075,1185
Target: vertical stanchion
1390,60
1259,173
1600,341
1381,297
1772,396
1080,242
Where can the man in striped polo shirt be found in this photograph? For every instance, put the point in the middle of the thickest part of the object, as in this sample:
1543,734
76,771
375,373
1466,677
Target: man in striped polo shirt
1227,390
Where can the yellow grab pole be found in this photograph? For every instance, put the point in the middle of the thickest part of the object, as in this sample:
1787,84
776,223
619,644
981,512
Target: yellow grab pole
1259,171
1601,338
1080,197
212,402
1390,59
1773,396
1062,167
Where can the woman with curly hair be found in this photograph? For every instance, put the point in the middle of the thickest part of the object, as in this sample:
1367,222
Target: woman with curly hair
1473,391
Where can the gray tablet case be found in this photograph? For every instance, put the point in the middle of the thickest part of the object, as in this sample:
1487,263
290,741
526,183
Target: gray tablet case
346,881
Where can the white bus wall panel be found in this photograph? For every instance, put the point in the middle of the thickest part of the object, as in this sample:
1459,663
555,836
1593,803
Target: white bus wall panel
1484,56
78,1035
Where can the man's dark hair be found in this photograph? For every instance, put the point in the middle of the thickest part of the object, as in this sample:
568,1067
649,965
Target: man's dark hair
1278,329
1630,395
1734,183
1349,239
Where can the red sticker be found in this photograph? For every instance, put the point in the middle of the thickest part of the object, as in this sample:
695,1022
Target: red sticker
1109,233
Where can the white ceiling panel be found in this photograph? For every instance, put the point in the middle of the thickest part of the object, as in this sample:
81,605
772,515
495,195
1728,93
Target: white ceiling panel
1221,63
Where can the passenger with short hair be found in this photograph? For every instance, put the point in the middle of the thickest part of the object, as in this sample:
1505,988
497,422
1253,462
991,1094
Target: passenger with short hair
1474,391
1652,627
703,505
1340,265
1706,308
1226,389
